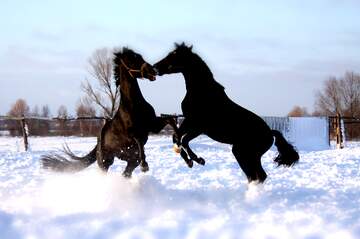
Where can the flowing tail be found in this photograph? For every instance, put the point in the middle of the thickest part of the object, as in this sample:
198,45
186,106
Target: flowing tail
60,163
287,154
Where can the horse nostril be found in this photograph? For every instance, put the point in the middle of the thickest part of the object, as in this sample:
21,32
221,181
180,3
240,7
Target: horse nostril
156,70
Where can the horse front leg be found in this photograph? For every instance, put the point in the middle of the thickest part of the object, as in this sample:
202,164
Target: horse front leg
185,134
144,166
186,138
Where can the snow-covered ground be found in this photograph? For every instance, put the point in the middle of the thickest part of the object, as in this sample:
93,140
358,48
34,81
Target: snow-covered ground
318,198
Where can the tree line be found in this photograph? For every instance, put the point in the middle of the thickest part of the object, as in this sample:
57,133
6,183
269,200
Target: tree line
40,122
100,96
338,95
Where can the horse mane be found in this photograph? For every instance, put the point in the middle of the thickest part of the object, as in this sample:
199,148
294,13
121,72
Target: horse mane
198,62
117,62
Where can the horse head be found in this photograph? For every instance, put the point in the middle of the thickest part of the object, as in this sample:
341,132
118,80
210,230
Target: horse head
175,61
134,64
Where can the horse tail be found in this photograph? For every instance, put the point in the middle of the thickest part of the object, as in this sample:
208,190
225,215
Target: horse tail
287,154
60,163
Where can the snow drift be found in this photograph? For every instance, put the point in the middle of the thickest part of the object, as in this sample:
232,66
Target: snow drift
318,198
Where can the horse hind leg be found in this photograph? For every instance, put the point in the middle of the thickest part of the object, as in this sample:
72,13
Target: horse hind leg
250,163
260,172
134,157
144,166
131,165
104,159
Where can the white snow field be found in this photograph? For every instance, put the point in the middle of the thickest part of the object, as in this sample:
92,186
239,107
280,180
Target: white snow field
318,198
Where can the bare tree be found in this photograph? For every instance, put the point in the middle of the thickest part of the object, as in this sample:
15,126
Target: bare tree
298,111
19,109
328,101
62,112
350,93
45,111
44,124
85,109
340,95
35,111
86,127
105,94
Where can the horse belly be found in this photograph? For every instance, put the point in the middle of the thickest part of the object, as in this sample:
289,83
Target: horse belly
222,134
225,135
233,131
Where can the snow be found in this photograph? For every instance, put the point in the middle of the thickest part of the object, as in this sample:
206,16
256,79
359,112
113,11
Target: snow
318,198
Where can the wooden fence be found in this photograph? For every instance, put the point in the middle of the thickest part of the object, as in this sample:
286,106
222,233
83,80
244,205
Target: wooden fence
344,127
39,126
91,126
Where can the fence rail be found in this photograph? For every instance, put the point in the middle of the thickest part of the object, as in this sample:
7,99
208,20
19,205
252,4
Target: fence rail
51,118
54,126
90,126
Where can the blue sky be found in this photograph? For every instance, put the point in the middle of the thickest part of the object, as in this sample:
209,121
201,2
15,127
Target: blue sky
269,55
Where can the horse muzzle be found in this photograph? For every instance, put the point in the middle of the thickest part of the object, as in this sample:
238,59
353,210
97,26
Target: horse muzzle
157,70
152,77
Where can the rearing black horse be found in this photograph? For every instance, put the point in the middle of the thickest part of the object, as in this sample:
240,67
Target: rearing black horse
208,110
125,135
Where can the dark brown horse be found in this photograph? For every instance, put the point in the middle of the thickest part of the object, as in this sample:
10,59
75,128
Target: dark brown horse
126,134
208,110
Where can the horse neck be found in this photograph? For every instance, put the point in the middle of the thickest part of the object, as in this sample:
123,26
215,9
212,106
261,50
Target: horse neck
198,75
129,90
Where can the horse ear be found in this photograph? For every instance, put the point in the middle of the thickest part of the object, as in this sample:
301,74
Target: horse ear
190,47
117,54
176,45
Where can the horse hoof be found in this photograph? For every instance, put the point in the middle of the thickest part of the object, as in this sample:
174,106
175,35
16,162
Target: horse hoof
126,174
201,161
190,163
144,168
177,149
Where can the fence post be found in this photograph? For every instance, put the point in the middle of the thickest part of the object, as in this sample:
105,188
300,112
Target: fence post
25,133
330,124
339,135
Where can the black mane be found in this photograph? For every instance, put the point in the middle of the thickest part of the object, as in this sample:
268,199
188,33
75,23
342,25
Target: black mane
197,62
183,47
118,55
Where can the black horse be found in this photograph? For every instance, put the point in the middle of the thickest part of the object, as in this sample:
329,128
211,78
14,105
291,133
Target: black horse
126,134
208,110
